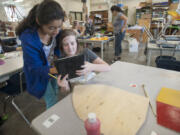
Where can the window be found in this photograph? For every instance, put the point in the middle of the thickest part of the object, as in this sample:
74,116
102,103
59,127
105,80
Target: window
76,16
13,13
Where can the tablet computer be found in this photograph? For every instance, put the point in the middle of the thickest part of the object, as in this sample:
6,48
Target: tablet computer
69,65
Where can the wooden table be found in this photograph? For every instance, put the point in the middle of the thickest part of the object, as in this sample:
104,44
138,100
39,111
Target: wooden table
7,38
122,75
101,42
12,65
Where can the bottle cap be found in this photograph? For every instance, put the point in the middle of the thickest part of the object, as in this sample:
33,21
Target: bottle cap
92,117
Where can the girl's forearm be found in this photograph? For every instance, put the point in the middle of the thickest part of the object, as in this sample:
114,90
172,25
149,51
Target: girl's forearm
100,67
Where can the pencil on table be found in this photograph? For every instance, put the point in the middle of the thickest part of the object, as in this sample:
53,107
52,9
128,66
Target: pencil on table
149,99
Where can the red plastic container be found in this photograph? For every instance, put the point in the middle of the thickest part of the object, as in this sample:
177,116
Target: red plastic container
168,108
92,124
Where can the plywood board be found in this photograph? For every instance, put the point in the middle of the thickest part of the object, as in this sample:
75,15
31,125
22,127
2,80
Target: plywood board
120,112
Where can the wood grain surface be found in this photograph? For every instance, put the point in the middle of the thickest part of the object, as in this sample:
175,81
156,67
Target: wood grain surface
120,112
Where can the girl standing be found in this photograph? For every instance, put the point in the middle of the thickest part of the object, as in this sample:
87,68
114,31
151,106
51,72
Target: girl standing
37,33
119,24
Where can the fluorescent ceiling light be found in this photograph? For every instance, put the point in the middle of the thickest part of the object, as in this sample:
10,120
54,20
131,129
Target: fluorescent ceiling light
7,2
18,0
11,2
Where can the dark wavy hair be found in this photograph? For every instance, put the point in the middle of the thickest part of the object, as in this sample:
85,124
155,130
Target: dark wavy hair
116,8
45,12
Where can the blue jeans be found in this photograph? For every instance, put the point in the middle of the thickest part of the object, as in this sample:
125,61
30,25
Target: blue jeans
51,93
118,40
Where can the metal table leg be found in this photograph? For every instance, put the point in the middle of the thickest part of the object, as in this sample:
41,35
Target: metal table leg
21,83
20,112
102,45
149,53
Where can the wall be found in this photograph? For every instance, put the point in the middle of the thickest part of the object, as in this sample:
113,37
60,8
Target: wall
105,5
67,5
76,5
132,4
3,16
101,5
23,7
73,5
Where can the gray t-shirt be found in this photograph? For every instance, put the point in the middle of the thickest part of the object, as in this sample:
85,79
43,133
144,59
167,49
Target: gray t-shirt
89,55
118,23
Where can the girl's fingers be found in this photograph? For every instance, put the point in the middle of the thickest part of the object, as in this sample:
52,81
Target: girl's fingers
83,66
77,71
62,83
65,77
80,72
59,78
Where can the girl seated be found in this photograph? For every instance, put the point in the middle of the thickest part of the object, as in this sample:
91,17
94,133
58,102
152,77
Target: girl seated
69,47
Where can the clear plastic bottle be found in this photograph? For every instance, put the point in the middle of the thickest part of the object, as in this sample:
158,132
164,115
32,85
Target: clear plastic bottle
92,124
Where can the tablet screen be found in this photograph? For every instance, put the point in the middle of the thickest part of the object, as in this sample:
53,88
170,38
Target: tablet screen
69,65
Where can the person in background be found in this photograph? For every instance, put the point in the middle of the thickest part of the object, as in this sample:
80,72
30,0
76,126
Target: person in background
66,23
37,33
69,47
76,29
120,25
89,27
6,48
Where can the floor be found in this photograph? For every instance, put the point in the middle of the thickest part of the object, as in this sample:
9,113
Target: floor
32,107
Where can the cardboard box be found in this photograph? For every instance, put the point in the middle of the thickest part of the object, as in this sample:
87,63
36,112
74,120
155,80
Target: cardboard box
146,16
168,108
109,27
149,1
138,34
173,6
142,4
135,33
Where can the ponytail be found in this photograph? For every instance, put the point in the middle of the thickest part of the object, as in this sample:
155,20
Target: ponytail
28,22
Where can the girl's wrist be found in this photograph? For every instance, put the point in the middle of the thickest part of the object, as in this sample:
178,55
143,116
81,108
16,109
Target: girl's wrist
92,67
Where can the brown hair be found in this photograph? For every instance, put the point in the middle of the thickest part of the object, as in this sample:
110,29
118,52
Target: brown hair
116,8
64,33
75,23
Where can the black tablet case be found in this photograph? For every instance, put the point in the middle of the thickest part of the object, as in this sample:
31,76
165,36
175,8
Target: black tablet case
69,65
